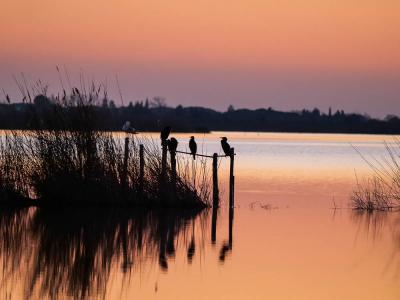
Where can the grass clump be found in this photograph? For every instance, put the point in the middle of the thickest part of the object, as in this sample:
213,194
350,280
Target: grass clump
372,195
382,190
13,180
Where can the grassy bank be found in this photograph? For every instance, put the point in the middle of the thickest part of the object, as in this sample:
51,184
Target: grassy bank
75,164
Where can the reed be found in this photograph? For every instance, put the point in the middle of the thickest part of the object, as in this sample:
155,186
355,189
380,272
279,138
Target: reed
13,172
382,190
64,160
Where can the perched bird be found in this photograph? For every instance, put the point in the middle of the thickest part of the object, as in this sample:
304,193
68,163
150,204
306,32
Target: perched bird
193,147
225,146
128,128
172,144
165,133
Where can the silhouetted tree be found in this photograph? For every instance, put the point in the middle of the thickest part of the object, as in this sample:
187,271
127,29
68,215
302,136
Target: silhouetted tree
231,108
104,103
41,100
158,102
112,104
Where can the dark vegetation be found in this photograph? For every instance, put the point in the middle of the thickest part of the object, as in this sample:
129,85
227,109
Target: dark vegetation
65,160
148,115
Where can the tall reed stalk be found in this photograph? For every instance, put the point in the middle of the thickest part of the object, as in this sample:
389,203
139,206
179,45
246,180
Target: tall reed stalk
64,160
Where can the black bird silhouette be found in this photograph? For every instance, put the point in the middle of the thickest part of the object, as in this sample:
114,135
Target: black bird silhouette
172,144
165,133
193,147
225,146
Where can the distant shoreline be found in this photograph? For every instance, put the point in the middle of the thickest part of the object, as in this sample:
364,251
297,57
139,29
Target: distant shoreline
149,118
228,131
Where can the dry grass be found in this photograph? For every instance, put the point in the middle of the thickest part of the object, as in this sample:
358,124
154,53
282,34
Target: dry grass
13,180
382,190
67,161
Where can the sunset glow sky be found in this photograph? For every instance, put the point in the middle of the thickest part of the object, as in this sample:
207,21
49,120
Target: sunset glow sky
287,54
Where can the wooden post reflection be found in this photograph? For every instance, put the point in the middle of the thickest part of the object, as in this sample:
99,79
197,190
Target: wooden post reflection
231,210
214,225
227,245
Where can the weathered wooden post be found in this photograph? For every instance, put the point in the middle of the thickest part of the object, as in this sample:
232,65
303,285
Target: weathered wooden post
164,159
141,169
173,168
215,181
231,179
125,165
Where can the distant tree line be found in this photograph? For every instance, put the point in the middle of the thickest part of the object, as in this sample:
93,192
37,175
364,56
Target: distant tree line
152,115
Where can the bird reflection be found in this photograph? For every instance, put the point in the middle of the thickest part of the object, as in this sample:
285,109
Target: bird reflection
227,246
192,247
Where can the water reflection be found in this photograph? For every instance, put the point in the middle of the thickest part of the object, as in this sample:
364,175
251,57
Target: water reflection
376,225
14,236
227,245
372,224
51,252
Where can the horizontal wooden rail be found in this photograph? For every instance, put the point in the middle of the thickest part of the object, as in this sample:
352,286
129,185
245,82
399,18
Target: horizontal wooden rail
203,155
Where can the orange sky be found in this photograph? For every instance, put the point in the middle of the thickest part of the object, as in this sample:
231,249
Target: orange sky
342,36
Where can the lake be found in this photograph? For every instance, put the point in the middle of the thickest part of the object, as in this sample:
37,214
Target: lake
291,234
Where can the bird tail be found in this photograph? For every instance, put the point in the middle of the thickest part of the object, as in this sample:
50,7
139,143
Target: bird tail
194,156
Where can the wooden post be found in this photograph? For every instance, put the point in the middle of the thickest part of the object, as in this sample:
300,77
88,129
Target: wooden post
164,160
215,181
125,166
231,180
173,168
141,169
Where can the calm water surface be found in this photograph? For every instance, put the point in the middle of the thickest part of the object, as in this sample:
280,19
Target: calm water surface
283,240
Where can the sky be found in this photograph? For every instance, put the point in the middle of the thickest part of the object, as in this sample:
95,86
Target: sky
284,54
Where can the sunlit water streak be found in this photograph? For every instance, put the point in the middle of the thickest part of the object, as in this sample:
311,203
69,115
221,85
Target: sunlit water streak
286,241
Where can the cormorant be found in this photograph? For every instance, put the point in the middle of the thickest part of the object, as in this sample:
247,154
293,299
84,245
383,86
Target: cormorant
225,146
193,147
172,144
165,133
